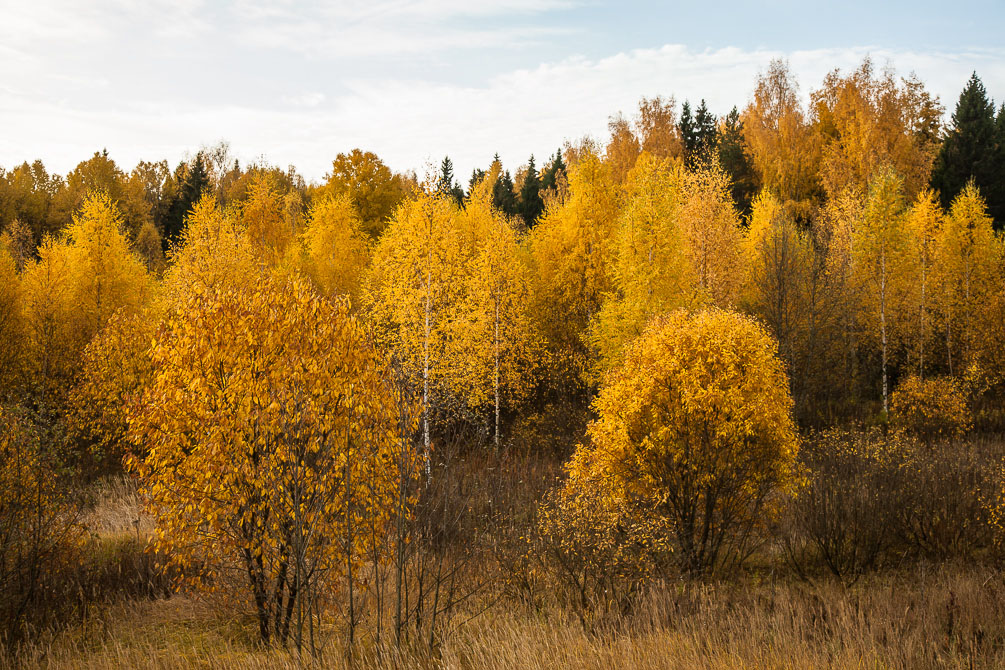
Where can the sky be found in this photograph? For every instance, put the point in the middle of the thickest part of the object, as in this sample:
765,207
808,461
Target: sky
295,82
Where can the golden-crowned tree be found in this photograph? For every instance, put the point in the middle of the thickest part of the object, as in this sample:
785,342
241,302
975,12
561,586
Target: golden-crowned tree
868,123
924,221
73,288
374,190
837,225
967,276
116,367
495,343
696,426
880,261
783,146
214,251
337,250
105,274
414,293
269,424
622,150
788,286
11,324
50,343
571,257
677,244
711,233
656,127
778,262
271,217
651,270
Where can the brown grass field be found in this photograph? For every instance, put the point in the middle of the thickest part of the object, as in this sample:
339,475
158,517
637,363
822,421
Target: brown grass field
917,616
945,617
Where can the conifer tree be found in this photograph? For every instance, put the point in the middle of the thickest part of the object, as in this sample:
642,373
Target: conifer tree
688,130
553,172
735,162
531,204
503,195
972,149
194,181
446,184
706,134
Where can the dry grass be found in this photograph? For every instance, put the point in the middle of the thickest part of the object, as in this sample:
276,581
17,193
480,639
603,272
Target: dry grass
117,509
947,617
921,616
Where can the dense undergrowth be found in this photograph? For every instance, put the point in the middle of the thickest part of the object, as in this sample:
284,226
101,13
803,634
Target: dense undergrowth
882,579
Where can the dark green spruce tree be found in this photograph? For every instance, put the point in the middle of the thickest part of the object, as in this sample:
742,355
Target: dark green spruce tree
193,181
503,194
972,148
446,184
477,175
552,172
531,204
705,138
735,162
688,131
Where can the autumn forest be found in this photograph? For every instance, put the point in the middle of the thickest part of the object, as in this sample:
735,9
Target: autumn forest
711,391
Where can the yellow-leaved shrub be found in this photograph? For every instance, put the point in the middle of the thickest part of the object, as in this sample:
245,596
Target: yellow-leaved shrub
935,407
270,429
696,426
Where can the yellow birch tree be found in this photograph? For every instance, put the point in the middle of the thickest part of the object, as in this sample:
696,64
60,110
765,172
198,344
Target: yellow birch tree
337,249
270,425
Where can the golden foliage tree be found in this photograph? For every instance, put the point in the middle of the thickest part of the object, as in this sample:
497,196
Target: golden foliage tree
967,276
214,251
622,150
374,190
783,146
337,249
116,367
415,290
656,127
496,343
73,288
105,275
924,221
711,232
880,263
11,325
870,123
651,270
571,257
676,244
271,218
778,262
269,424
696,425
50,341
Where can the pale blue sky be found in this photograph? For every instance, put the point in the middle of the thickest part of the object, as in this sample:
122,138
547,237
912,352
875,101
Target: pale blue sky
297,82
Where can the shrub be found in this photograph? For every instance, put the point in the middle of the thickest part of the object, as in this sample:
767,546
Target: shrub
40,533
930,408
694,426
844,513
602,549
271,430
870,496
941,506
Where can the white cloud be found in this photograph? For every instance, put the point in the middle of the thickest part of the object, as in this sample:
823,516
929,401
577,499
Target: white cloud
409,122
312,99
